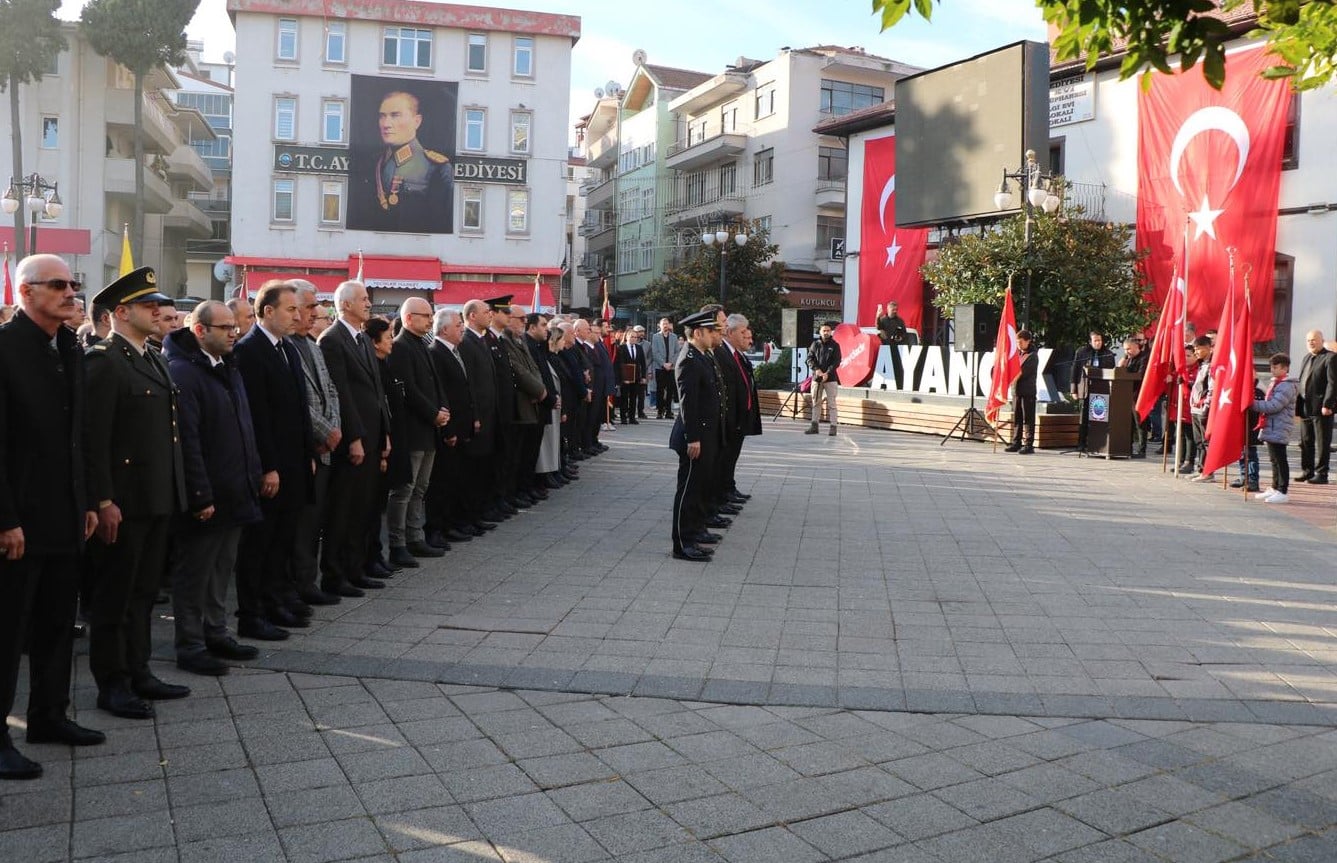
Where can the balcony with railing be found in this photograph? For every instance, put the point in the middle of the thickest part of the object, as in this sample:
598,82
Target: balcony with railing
603,152
692,153
600,194
596,222
161,135
831,194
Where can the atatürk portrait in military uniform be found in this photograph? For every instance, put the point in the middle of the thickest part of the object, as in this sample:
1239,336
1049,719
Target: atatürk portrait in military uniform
402,184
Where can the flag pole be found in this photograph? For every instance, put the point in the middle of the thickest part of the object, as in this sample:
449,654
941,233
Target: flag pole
1225,473
1248,303
1179,385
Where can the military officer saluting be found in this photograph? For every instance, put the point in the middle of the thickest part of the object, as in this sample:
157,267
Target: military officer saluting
696,437
414,185
136,481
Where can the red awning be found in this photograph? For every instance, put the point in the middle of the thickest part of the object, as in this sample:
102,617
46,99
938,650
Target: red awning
405,274
522,294
57,241
325,284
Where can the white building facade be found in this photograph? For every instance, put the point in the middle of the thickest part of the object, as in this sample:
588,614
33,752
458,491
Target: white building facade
320,188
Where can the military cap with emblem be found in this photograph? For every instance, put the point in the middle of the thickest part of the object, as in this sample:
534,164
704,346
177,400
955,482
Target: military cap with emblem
500,304
136,286
699,320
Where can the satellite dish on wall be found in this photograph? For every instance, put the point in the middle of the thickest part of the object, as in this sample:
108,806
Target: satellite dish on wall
223,271
598,92
229,57
638,56
612,88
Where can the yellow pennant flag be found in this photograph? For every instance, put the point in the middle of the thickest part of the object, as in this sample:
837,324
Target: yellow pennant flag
127,260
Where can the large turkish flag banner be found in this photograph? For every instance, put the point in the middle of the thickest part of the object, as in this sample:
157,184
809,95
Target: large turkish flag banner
889,257
1209,171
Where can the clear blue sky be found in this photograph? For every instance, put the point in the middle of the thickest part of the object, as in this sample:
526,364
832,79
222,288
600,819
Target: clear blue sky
706,35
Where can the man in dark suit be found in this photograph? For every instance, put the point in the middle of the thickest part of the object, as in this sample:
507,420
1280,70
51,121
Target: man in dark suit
507,459
534,401
742,416
355,468
1315,406
44,512
271,367
426,412
448,516
136,478
696,437
631,370
603,383
481,450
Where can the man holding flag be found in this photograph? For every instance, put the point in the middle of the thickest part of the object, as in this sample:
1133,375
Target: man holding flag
1232,384
1012,350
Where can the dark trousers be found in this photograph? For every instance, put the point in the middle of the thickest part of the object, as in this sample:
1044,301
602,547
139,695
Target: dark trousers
583,415
728,465
1315,443
507,461
351,494
306,549
1281,468
897,372
128,577
531,439
632,396
445,492
1189,446
38,596
476,493
666,392
1023,420
689,498
1248,465
1084,423
1199,455
264,561
203,561
1141,430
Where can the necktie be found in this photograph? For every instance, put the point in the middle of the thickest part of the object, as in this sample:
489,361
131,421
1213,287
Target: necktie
747,389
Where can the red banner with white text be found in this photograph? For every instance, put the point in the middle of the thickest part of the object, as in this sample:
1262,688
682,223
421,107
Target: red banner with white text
889,257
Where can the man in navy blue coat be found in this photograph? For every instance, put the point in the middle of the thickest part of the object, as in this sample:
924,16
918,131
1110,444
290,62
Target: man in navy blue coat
222,470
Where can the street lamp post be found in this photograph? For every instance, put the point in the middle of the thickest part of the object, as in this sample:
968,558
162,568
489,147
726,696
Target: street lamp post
33,191
721,238
1037,190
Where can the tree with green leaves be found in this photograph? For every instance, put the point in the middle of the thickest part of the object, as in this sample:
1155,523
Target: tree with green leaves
754,284
1303,33
1084,276
30,39
141,35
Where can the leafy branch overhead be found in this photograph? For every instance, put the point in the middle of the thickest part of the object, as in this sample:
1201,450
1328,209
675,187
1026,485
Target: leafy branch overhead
1153,35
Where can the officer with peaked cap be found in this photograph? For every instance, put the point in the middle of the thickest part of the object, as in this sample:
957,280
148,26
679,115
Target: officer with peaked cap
136,481
696,437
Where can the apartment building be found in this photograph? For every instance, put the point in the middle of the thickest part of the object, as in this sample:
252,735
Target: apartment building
205,88
78,128
423,143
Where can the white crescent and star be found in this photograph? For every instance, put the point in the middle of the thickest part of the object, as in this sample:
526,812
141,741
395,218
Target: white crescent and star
893,248
1212,118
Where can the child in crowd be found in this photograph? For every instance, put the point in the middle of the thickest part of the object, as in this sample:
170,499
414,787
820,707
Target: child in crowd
1276,416
1248,463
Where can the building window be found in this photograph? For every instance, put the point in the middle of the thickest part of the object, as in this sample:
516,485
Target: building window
408,47
1290,146
522,65
517,211
284,191
476,59
520,124
762,225
336,35
628,204
842,97
832,163
729,119
626,255
475,128
1283,290
52,65
472,216
331,202
285,118
286,47
50,133
728,179
647,254
694,189
647,202
829,228
332,121
763,167
1056,158
765,97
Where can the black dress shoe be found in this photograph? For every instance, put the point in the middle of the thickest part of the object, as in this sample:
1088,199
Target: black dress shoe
367,584
228,648
706,537
457,535
729,509
283,617
739,497
259,629
202,663
692,553
400,556
342,589
539,492
297,607
15,765
422,549
484,525
1317,480
436,539
388,567
316,596
570,475
635,422
120,701
65,731
1012,447
718,521
1026,450
1304,477
517,503
152,689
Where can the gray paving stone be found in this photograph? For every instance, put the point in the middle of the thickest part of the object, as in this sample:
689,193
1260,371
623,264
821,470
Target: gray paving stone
314,805
920,816
599,799
123,833
566,843
39,844
230,818
252,846
708,817
555,771
487,783
845,833
422,828
515,814
333,840
1184,842
761,846
624,834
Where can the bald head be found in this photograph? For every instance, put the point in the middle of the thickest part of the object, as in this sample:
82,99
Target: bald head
416,316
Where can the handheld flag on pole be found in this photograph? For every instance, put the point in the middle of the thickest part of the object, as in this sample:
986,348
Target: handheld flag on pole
538,293
127,259
1232,383
358,277
1006,360
9,280
607,311
1167,350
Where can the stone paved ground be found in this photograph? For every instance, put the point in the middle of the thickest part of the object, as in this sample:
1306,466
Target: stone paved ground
903,652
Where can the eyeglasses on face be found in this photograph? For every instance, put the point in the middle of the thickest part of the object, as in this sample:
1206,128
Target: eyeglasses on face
227,327
60,284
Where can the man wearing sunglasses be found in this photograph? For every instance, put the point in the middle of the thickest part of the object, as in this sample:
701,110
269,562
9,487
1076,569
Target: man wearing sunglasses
44,513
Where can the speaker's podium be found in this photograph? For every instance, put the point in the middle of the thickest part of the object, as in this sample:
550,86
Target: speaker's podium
1111,394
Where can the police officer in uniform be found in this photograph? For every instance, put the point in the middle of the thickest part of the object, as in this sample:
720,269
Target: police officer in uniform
698,434
414,185
136,480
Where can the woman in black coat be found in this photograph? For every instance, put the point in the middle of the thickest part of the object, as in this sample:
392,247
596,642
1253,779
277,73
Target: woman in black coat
395,470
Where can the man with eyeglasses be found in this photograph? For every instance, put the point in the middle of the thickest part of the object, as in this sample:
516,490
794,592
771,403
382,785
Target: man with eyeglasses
44,512
136,480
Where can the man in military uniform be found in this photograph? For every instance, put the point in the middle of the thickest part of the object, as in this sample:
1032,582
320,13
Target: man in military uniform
136,480
697,437
414,186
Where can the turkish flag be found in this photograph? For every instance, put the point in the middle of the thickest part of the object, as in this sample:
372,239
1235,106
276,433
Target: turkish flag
1232,384
889,257
9,282
1167,350
1209,171
1006,360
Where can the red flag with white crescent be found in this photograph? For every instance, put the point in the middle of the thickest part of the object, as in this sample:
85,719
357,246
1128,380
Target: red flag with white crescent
9,281
1209,161
1167,350
607,311
1232,385
889,257
1006,362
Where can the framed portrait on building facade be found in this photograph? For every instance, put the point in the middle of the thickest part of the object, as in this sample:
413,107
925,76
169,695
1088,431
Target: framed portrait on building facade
401,155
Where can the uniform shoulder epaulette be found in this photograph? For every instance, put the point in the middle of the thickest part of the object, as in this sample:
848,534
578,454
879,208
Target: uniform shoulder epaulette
439,158
100,346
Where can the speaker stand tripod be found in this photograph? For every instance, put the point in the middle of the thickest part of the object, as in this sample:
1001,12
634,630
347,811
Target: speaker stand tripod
973,422
793,390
